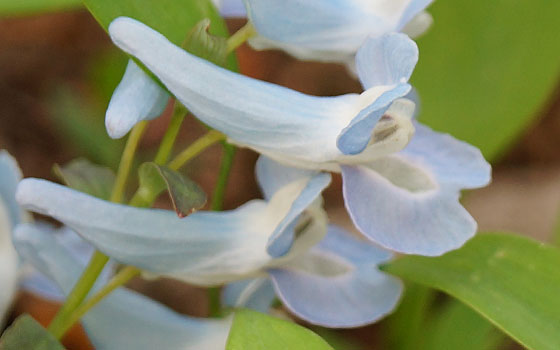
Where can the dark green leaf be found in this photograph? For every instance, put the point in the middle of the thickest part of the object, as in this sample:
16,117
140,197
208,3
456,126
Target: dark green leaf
205,45
186,195
84,176
27,334
255,331
513,281
172,18
27,7
487,67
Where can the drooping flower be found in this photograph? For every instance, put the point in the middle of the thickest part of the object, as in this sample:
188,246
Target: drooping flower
124,319
332,30
273,238
403,196
138,97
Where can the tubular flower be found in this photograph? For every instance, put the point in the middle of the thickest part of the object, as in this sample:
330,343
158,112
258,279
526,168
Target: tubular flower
205,248
332,30
401,191
124,319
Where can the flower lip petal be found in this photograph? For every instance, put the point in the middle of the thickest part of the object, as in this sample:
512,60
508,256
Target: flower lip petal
137,97
355,137
10,175
347,298
257,294
386,60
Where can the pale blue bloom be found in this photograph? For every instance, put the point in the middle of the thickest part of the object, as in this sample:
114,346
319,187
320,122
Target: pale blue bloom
138,97
402,197
205,248
332,30
335,284
124,319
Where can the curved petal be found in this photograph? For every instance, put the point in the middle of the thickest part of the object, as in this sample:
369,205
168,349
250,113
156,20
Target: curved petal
205,248
230,8
386,60
409,202
8,263
418,25
283,124
257,294
319,26
337,284
137,97
125,319
10,174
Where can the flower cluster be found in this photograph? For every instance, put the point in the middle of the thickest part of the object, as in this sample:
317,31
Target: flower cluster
401,180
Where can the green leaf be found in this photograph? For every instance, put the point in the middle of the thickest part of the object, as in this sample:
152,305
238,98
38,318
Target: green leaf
511,280
27,334
27,7
487,67
458,327
205,45
407,323
186,195
82,175
172,18
255,331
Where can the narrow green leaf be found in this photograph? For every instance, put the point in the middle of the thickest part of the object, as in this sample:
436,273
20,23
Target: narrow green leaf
82,175
511,280
27,7
255,331
205,45
186,195
27,334
487,67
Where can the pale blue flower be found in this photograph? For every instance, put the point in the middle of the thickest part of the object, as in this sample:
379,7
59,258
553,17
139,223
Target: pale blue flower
138,97
404,198
335,284
205,248
332,30
124,319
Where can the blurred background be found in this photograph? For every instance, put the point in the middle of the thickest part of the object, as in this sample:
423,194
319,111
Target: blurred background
488,75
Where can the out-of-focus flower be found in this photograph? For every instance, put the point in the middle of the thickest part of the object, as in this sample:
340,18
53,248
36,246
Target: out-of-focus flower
205,248
402,197
124,319
332,30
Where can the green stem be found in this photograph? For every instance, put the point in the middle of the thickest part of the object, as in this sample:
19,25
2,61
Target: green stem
166,145
125,275
210,138
242,35
58,326
126,161
223,176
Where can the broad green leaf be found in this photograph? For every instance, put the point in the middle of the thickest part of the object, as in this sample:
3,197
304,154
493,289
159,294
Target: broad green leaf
511,280
456,326
406,325
186,195
338,340
27,7
205,45
172,18
84,176
487,67
255,331
27,334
